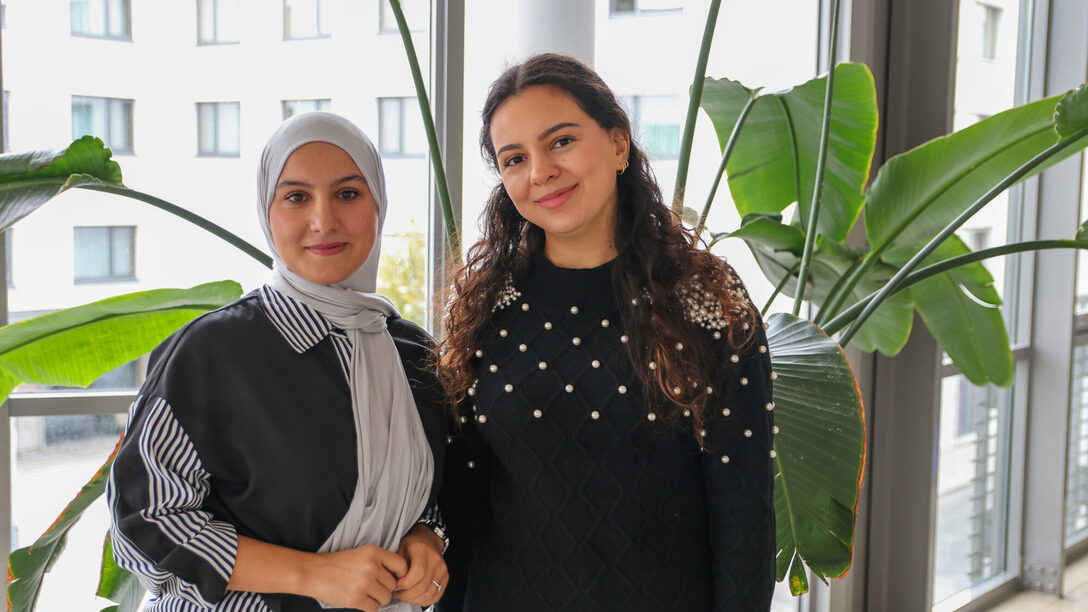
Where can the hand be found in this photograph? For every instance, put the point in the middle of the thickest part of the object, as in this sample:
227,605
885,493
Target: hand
426,567
361,578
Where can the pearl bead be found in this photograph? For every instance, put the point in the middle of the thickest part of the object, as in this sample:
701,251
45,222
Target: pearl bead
652,365
504,333
725,458
464,420
622,389
743,381
726,412
547,325
745,327
471,464
702,433
595,363
747,433
766,326
769,406
482,418
509,388
525,306
605,323
676,390
773,454
568,388
574,310
576,341
679,346
494,368
542,365
687,412
595,415
623,338
449,439
479,353
709,390
472,390
537,414
774,375
522,348
651,417
774,429
634,301
762,348
734,358
717,335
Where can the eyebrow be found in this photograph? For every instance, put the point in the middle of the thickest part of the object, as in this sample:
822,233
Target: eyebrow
341,181
542,136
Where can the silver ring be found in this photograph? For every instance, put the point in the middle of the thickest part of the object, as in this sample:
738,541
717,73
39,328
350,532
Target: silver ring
435,582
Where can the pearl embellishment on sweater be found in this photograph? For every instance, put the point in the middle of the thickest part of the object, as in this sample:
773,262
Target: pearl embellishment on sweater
508,388
622,389
494,368
574,310
595,363
523,348
595,415
537,413
569,388
542,365
547,325
604,323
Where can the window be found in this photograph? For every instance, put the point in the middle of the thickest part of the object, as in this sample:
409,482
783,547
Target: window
991,20
639,7
305,19
4,125
400,127
416,12
107,118
656,122
218,130
102,18
294,107
104,254
216,21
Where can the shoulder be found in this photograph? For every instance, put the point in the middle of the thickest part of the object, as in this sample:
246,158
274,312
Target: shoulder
714,297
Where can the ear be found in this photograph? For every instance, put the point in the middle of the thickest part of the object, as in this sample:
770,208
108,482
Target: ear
621,142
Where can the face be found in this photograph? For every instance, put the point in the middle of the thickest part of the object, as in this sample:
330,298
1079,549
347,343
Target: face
323,217
558,164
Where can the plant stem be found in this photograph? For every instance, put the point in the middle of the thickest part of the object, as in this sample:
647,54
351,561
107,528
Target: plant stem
191,217
778,289
693,108
931,270
821,162
726,154
932,245
452,234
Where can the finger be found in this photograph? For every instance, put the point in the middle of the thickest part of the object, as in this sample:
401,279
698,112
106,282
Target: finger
418,592
386,581
416,572
393,562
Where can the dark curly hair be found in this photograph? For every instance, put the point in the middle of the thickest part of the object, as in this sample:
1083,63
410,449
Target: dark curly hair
659,264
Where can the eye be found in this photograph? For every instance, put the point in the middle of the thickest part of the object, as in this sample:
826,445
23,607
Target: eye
513,160
562,142
348,194
295,197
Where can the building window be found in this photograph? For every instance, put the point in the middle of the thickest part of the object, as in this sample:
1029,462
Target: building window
217,22
102,18
218,130
656,121
105,254
416,12
400,127
4,125
991,21
305,19
643,7
294,107
107,118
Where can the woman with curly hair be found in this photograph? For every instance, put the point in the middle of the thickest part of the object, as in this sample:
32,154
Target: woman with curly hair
612,379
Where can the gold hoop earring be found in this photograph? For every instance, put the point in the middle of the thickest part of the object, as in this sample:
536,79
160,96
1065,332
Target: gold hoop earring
622,168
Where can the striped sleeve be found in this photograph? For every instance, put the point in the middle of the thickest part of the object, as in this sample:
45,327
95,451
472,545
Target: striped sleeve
160,531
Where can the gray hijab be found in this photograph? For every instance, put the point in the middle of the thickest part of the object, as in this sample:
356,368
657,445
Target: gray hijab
394,461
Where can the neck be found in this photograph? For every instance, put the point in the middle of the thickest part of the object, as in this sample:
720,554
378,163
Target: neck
578,253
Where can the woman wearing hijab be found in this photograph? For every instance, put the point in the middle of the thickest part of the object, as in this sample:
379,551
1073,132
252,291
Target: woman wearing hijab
282,452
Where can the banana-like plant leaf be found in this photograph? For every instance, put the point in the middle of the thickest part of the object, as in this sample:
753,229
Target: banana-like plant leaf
77,345
28,180
1071,114
961,309
918,193
819,450
28,566
774,162
116,584
777,250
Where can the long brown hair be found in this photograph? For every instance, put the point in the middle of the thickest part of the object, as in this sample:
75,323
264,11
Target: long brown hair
661,278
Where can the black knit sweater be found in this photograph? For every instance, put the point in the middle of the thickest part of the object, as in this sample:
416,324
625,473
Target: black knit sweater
566,491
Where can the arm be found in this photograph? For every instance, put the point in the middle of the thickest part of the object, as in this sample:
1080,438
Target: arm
739,479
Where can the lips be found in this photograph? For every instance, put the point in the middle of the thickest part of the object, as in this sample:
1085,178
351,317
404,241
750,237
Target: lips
556,198
327,249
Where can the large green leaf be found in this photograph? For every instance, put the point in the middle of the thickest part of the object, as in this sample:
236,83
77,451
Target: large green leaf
116,584
819,450
28,566
1071,114
916,194
77,345
961,308
774,162
777,248
28,180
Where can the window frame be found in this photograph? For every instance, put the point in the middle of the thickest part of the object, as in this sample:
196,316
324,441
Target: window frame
128,232
217,37
201,151
106,35
130,129
285,105
638,11
400,152
319,7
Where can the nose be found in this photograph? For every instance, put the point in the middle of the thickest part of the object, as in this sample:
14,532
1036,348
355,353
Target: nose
543,169
323,219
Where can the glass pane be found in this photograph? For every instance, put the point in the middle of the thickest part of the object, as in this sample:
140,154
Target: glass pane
205,120
53,458
229,136
389,125
120,125
659,125
122,252
300,18
205,20
1082,256
227,15
415,138
81,16
971,486
92,253
118,18
1076,484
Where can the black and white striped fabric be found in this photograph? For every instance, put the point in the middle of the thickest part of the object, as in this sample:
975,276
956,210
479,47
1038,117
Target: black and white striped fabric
217,447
